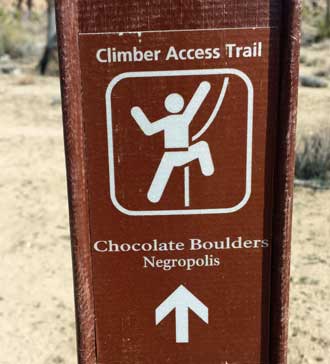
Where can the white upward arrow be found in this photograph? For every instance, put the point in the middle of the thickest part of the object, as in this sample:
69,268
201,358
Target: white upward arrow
182,300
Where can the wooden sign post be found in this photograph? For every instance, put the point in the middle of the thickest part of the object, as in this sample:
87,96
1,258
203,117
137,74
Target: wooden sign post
179,120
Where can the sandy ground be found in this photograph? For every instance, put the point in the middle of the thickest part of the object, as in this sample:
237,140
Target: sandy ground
36,296
310,278
36,303
309,341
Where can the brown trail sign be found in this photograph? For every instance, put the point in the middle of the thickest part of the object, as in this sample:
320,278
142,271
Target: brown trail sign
179,121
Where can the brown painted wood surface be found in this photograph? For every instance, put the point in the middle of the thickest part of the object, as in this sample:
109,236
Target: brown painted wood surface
74,16
284,182
77,185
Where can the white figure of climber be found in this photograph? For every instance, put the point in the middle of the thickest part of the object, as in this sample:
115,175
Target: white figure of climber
178,151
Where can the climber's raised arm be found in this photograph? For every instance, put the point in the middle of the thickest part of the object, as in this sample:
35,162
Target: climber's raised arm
197,100
148,127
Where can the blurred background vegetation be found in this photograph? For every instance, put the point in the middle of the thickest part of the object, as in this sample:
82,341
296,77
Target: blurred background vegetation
36,311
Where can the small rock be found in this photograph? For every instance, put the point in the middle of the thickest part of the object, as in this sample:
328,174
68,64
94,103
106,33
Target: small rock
58,360
323,73
7,69
5,58
17,72
312,81
24,81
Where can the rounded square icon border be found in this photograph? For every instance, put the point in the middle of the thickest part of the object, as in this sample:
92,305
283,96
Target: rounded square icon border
187,211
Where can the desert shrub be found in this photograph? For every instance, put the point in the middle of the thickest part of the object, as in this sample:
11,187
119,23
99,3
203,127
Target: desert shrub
313,157
323,24
316,21
14,40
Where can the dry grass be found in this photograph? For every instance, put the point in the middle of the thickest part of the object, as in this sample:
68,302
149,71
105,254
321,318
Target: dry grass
18,36
316,21
323,27
12,37
313,157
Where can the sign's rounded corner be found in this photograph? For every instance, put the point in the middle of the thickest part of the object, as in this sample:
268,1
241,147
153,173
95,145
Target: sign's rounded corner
243,202
115,81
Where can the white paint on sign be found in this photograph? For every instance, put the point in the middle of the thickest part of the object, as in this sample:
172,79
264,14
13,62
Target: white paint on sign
181,300
179,139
